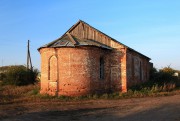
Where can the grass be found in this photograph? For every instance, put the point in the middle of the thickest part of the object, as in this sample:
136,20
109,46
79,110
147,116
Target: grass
163,84
30,93
10,93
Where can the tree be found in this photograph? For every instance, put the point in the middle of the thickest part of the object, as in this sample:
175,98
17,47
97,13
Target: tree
20,75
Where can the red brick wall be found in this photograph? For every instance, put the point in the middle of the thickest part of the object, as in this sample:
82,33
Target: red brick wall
137,68
76,71
122,71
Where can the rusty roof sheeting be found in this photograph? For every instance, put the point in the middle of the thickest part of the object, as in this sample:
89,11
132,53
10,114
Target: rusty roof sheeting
66,41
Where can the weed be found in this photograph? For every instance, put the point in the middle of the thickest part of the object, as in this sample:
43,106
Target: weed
104,96
95,96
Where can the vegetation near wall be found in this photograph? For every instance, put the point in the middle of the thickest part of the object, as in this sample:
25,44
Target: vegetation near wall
165,75
160,80
162,83
18,75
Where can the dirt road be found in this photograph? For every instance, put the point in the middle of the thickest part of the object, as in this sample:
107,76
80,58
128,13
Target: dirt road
136,109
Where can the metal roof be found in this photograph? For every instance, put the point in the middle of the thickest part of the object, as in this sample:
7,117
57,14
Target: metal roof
69,40
80,21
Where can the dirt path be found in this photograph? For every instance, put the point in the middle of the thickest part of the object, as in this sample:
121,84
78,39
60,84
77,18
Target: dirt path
136,109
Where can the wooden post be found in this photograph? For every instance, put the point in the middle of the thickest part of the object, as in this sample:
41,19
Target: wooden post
2,62
28,55
29,62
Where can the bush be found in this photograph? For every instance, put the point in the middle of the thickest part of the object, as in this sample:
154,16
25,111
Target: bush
164,75
2,76
160,81
19,75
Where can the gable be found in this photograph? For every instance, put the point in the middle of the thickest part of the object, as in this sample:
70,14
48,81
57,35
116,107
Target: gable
84,30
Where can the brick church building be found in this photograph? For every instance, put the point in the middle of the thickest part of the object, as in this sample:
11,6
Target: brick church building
86,61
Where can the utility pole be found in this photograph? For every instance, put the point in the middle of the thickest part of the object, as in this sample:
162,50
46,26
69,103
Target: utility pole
29,62
2,62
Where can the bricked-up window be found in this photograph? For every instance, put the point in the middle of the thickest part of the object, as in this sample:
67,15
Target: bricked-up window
52,69
101,68
132,67
140,71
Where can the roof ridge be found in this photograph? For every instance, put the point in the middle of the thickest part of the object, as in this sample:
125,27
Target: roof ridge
81,21
50,43
102,33
112,38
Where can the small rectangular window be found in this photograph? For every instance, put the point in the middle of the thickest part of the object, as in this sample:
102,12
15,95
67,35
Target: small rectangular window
101,68
140,71
132,67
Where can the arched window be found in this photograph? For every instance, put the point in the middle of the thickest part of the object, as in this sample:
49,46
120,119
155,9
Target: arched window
101,68
53,68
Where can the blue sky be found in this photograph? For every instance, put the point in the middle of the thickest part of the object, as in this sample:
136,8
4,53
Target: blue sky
151,27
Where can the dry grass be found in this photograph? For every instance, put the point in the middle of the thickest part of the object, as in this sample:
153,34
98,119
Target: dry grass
19,94
11,93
